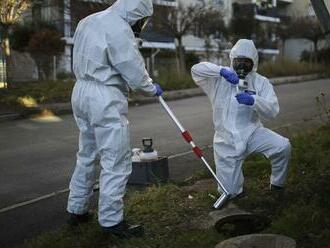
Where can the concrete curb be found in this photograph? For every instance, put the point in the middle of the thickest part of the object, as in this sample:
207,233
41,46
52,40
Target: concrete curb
9,116
297,79
65,108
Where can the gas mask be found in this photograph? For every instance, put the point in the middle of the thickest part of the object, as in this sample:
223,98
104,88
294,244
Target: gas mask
139,26
242,66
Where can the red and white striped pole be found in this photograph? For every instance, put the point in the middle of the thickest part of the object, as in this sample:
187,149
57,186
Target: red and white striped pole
187,136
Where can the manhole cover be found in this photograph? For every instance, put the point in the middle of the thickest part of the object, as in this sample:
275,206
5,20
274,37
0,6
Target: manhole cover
258,241
233,221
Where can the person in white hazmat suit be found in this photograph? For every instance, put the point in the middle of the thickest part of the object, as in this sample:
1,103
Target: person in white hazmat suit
106,61
236,115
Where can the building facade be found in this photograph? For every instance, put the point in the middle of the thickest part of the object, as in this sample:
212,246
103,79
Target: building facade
254,19
293,48
65,15
263,17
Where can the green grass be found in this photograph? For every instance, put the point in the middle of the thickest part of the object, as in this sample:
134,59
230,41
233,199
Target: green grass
169,218
302,212
60,91
40,92
170,80
172,220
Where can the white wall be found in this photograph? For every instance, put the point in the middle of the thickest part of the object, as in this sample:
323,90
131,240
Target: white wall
299,8
23,67
294,47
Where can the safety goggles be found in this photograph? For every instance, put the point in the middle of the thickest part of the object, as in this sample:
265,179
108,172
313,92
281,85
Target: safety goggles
242,66
243,61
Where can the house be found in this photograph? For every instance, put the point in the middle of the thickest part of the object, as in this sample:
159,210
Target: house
65,15
263,18
271,14
294,47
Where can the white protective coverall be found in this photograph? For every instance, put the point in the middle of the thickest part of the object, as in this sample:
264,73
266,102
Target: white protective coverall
238,130
106,61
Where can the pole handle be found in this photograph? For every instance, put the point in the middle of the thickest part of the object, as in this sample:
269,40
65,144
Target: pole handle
186,135
171,114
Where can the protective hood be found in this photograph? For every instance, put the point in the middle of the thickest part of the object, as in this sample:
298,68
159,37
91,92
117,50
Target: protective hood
245,48
133,10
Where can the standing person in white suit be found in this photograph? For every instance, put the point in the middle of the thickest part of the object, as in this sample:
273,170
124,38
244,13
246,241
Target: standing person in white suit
236,116
106,61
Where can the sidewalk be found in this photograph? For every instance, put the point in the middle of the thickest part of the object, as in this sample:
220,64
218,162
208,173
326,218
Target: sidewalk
65,108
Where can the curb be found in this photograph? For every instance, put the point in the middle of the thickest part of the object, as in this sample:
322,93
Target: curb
65,108
297,79
9,116
169,96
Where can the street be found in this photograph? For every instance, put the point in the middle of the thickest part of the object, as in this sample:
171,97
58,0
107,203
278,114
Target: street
37,158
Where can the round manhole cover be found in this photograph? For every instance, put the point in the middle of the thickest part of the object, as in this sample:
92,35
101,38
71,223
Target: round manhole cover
258,241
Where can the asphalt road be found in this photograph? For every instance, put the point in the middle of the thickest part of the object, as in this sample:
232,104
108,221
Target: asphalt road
37,158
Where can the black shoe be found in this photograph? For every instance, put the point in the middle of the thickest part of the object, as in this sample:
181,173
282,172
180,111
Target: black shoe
277,193
124,230
77,219
276,188
239,196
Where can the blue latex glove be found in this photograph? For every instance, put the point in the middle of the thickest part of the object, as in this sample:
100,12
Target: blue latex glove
245,98
229,75
159,90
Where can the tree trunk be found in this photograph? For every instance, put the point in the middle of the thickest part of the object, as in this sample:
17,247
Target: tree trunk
315,51
282,46
180,54
208,47
6,53
178,70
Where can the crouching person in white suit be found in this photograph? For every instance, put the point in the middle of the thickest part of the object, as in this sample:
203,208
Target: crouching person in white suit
237,109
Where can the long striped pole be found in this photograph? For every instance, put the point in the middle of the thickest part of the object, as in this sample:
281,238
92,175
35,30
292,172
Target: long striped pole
198,152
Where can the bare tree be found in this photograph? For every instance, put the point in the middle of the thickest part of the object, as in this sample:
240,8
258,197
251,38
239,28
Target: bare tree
210,21
210,26
283,32
176,23
79,9
10,13
44,45
243,23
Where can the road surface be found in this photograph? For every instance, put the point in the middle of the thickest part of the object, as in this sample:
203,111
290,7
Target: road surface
37,158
